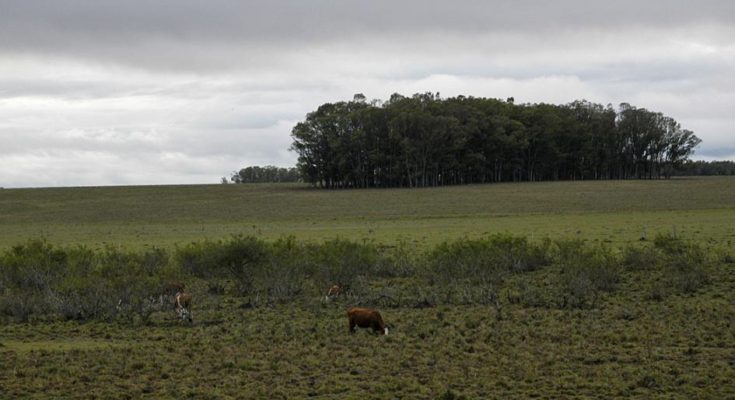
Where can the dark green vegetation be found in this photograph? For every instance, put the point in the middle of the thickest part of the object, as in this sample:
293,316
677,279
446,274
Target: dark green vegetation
267,174
566,302
141,217
706,168
424,141
499,317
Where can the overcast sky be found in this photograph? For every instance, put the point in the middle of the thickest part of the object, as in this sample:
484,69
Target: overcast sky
127,92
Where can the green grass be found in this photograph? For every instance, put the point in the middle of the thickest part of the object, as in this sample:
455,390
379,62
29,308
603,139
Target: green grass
629,344
682,346
135,217
56,344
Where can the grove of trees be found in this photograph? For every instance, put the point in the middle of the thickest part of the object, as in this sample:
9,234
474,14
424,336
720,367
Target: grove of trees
424,140
267,174
706,168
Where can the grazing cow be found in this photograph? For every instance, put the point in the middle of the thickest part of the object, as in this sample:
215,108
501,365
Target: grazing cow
169,291
183,306
333,292
366,318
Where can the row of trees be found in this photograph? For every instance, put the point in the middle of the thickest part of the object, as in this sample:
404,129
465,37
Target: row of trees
699,168
424,140
267,174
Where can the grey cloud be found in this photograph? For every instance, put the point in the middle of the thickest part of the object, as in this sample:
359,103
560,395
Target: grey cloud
305,20
233,34
25,87
716,153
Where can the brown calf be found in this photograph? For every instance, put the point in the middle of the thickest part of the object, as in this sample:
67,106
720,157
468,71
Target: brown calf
169,291
366,318
333,292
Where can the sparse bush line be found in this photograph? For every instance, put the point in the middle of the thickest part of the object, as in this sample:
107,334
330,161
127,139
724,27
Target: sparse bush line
40,281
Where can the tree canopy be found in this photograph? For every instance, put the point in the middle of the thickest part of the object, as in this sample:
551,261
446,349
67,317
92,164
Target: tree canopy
424,140
706,168
266,174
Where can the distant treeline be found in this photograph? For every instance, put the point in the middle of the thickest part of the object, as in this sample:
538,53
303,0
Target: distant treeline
267,174
425,140
271,174
692,168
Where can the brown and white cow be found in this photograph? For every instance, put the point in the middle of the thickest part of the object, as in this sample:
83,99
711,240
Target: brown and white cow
366,318
333,292
183,306
169,291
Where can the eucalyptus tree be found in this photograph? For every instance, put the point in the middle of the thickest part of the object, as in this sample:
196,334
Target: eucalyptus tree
424,140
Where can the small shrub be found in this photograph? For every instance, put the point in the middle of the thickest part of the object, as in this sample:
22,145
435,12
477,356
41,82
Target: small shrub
399,261
669,243
482,262
529,295
21,305
240,258
586,271
284,276
578,291
688,274
344,263
200,259
641,258
243,257
685,264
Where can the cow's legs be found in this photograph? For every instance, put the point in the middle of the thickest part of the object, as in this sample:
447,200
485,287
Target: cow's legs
184,314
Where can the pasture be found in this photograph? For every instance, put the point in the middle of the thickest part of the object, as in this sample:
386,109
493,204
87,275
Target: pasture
163,216
592,313
681,347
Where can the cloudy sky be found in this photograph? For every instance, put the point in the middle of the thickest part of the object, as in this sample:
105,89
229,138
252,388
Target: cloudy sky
117,92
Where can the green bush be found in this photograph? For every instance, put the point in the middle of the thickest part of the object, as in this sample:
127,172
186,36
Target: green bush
77,283
83,293
38,280
685,265
21,304
585,272
344,263
529,294
27,275
484,260
642,258
399,261
133,278
473,271
240,259
687,271
285,275
669,244
33,265
199,259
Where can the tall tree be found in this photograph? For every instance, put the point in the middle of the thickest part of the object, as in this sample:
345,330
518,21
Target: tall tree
424,140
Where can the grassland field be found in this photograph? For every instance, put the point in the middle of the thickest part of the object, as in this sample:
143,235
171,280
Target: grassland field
626,345
135,217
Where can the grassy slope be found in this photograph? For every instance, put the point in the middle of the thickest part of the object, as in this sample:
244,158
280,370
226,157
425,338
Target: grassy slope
617,211
627,346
